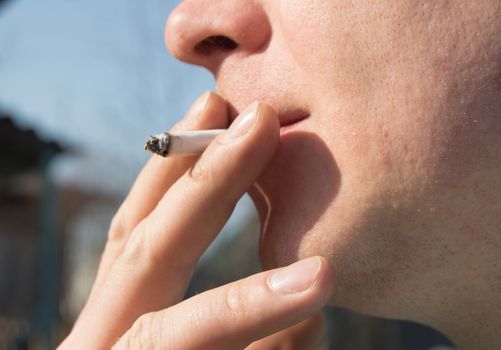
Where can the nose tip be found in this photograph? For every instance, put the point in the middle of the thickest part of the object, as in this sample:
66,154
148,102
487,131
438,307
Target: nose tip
205,32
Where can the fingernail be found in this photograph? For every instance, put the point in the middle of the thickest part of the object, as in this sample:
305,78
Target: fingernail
194,111
295,278
243,123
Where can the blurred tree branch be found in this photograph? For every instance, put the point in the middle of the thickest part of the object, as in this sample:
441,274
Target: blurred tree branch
3,2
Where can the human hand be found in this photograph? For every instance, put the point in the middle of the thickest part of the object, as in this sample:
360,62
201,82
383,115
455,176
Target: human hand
173,212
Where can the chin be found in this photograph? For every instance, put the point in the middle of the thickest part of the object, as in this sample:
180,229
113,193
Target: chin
304,212
291,196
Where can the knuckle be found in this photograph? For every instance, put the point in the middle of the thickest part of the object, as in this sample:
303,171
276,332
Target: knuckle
140,334
117,230
213,181
139,250
235,299
217,177
201,172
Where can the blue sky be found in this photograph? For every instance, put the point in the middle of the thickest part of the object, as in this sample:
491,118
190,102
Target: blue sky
92,73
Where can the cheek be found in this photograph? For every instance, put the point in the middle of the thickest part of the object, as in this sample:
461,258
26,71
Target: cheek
384,147
310,30
336,45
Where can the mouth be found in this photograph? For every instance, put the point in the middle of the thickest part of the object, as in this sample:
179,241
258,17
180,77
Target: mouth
287,116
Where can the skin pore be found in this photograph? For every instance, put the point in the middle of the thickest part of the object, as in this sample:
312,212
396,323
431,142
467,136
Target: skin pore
394,175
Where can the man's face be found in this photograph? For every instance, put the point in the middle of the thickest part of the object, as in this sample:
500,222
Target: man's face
391,170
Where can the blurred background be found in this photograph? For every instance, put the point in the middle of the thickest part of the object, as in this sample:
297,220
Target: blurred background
82,84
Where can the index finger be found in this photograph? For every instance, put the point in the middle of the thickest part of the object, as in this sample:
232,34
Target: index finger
209,111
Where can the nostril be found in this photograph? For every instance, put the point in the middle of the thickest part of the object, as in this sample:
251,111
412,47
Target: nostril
213,43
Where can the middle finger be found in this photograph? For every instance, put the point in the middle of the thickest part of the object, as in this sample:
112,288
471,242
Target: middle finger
156,264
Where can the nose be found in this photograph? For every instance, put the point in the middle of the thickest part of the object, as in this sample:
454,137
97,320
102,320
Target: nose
205,32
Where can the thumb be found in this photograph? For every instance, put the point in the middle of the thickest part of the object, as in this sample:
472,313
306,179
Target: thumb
309,334
235,315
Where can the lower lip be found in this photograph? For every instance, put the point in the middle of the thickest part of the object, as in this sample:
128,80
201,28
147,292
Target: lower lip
285,129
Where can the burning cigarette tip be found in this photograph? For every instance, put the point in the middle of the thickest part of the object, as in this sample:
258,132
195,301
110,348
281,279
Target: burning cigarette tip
181,143
158,144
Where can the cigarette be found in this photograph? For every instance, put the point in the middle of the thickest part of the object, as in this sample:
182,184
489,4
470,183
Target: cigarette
181,143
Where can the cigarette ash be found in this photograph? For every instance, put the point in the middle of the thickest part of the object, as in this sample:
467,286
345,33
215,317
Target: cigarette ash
158,144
